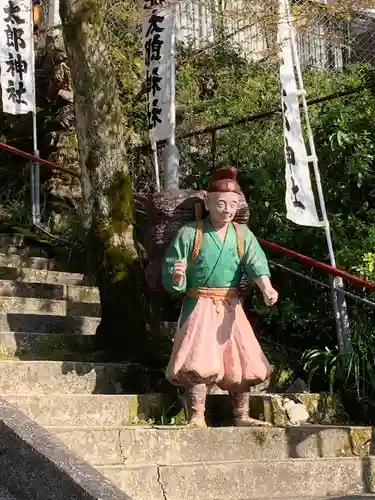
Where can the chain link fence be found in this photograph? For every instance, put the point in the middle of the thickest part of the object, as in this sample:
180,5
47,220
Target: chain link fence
330,34
331,39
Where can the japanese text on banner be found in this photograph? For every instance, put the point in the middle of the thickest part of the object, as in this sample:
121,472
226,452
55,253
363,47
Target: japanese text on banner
17,57
299,196
157,43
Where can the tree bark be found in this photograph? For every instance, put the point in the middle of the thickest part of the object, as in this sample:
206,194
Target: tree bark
63,191
106,182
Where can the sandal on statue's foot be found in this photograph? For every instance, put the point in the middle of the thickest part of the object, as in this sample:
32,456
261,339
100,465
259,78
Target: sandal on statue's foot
250,422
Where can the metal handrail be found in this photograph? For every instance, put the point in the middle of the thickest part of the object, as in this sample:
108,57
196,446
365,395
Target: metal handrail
322,266
304,259
36,159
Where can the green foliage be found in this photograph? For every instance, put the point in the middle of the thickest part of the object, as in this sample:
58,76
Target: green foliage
347,150
350,370
18,211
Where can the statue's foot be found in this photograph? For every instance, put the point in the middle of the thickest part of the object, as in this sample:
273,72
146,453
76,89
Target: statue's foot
197,422
250,422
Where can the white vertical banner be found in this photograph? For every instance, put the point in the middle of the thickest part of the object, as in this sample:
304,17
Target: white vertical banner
17,57
158,35
299,196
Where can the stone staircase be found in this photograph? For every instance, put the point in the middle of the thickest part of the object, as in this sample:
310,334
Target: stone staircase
47,321
40,304
5,495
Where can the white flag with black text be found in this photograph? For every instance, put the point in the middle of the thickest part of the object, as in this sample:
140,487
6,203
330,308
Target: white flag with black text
299,196
158,35
17,57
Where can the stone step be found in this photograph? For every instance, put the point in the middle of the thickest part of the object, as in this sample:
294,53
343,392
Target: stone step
59,410
156,408
173,445
5,495
24,305
49,291
48,346
67,377
48,307
29,248
20,260
25,251
363,496
29,275
47,323
16,243
31,259
34,260
252,480
11,240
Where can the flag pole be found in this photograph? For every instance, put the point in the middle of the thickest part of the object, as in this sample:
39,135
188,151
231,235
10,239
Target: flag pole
171,152
156,162
35,177
338,300
35,167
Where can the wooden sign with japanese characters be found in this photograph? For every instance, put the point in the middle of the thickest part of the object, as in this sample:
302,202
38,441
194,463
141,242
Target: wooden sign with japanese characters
157,32
299,196
17,56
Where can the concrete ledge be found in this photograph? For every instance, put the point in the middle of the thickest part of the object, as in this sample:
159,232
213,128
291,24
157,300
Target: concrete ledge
83,408
5,495
60,410
69,377
26,258
48,346
21,260
29,275
108,445
44,323
256,479
48,307
73,293
34,465
11,240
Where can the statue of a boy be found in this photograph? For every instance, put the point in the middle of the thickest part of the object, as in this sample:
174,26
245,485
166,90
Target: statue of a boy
214,342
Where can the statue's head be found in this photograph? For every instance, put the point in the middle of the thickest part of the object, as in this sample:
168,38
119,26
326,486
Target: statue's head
223,195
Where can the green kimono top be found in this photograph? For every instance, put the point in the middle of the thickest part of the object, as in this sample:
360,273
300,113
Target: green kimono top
218,264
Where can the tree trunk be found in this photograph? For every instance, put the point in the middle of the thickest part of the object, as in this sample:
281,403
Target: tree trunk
56,127
63,191
106,182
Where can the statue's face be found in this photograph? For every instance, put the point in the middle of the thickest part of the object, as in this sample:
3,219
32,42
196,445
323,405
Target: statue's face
222,206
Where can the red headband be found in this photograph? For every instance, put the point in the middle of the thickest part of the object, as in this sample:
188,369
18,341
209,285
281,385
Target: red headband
224,180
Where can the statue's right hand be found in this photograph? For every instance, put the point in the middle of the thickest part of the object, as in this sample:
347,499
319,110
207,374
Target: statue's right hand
179,271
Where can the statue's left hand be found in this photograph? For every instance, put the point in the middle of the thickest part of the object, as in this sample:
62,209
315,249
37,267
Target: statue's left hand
270,296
